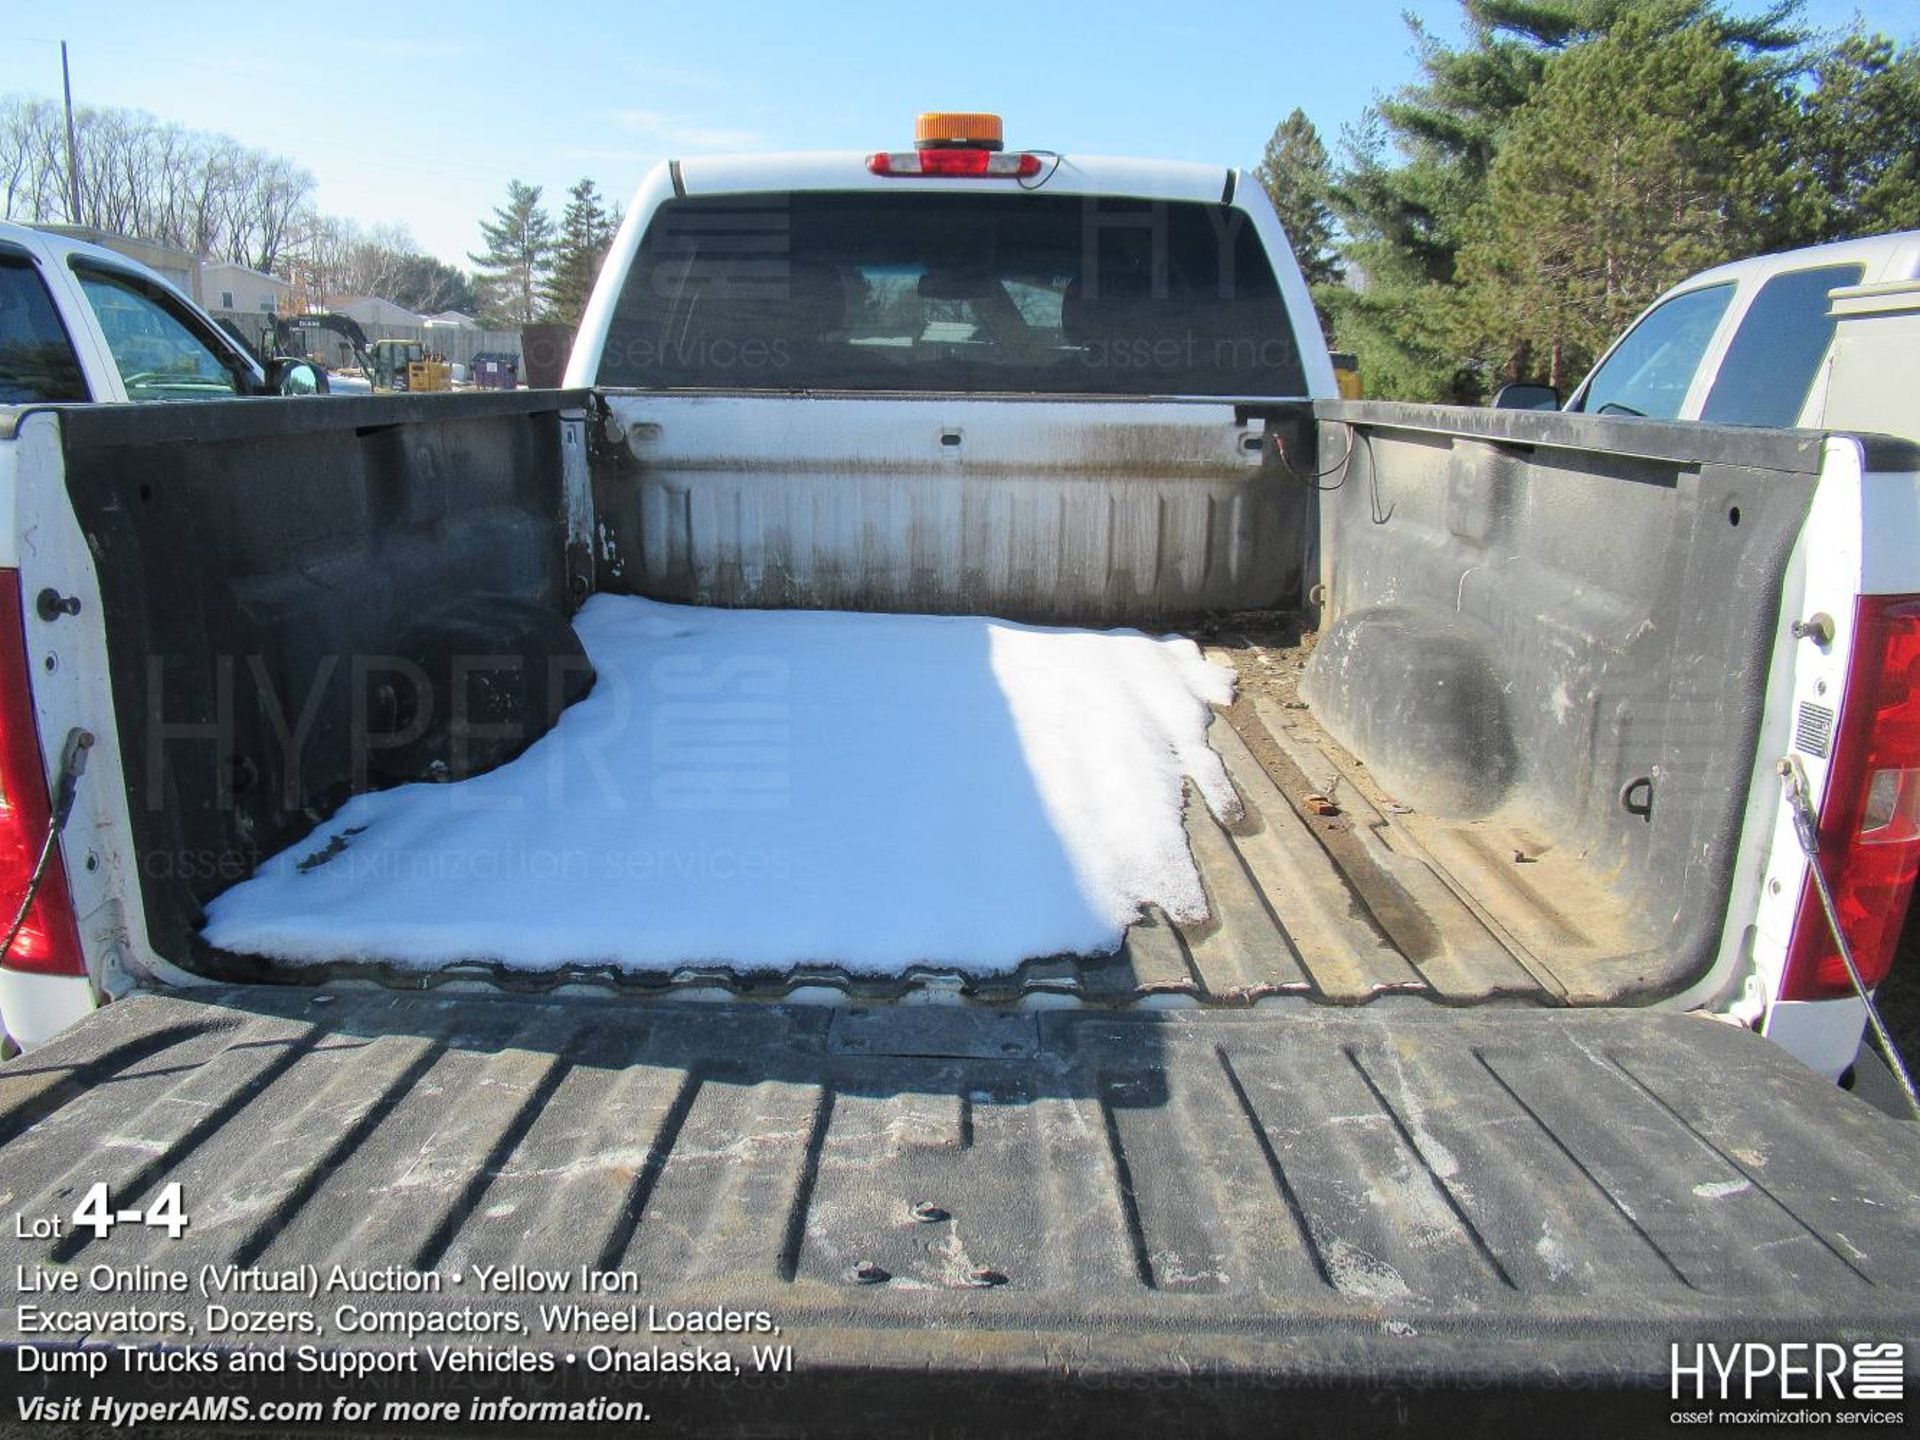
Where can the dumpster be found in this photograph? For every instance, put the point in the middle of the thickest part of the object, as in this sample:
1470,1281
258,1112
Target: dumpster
495,370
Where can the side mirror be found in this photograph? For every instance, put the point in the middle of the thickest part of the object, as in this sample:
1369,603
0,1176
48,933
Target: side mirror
1526,397
295,377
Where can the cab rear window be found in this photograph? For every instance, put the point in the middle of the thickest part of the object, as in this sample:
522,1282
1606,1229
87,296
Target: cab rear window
1001,293
1785,334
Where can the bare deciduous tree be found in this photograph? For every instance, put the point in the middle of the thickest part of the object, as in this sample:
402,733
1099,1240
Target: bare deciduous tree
136,175
213,196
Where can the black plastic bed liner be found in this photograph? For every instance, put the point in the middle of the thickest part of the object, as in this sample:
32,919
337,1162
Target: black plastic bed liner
1061,1215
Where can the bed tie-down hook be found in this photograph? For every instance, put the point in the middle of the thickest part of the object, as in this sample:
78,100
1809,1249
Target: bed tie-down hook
1806,828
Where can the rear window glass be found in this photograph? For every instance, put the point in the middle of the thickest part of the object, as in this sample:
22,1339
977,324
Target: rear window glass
938,291
1776,353
37,363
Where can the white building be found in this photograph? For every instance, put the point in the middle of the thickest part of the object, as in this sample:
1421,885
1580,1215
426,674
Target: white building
372,310
227,286
458,319
177,267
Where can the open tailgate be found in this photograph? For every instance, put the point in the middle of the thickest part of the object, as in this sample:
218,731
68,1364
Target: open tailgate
1072,1218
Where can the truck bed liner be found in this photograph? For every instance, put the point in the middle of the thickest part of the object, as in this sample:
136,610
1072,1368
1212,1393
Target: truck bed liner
1556,894
1342,1195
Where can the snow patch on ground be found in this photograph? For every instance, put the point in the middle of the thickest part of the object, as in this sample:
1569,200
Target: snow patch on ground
763,789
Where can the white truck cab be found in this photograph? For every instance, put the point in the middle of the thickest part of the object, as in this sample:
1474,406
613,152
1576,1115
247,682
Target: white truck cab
925,231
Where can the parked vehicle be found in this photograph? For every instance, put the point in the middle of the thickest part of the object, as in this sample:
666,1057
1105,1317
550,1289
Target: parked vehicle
1456,1084
80,322
406,365
495,370
1740,344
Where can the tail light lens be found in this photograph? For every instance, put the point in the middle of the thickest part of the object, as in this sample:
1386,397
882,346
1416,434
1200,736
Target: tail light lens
1870,819
962,164
49,944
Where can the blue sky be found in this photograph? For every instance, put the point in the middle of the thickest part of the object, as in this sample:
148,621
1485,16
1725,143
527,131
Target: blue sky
425,124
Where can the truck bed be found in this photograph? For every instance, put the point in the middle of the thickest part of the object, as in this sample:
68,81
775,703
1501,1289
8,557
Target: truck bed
1150,1210
1496,698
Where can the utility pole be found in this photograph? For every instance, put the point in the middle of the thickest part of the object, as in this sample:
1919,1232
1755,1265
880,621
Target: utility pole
73,150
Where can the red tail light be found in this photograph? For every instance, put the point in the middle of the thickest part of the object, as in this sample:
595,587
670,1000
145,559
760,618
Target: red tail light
951,164
49,944
1870,820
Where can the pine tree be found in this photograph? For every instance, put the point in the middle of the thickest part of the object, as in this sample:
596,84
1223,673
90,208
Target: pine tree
429,286
1860,132
1296,175
519,248
1646,154
586,230
1418,169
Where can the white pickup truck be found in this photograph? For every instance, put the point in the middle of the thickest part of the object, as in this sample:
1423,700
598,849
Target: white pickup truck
1445,1084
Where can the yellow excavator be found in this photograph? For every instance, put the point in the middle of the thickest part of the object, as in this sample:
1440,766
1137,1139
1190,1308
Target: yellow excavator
406,365
402,365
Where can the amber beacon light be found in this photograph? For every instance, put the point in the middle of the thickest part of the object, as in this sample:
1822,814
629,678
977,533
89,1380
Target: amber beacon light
953,144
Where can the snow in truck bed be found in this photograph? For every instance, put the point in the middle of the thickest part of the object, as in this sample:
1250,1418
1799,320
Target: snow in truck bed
763,789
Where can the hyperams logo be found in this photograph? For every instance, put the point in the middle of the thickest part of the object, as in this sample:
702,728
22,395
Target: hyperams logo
1824,1372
